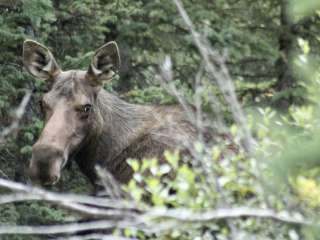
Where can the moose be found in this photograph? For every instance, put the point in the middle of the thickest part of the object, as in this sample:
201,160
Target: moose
84,122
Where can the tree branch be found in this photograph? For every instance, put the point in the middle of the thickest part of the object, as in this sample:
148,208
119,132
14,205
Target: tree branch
119,215
86,205
18,116
187,216
220,74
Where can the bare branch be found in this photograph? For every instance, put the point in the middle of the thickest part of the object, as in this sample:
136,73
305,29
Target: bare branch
146,222
188,216
166,81
220,75
18,116
93,206
64,228
117,217
111,187
95,236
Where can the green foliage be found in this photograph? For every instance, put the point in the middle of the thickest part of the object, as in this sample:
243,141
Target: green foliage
146,32
151,94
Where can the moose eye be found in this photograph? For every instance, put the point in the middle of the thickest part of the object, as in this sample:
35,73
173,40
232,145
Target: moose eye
84,111
86,108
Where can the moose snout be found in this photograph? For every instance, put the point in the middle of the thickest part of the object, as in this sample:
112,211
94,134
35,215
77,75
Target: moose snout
45,165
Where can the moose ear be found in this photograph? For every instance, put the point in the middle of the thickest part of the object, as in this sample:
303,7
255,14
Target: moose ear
39,61
105,63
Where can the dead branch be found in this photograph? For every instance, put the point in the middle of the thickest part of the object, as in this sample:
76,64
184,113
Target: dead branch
145,222
220,75
188,216
18,116
64,228
114,217
95,236
112,188
86,205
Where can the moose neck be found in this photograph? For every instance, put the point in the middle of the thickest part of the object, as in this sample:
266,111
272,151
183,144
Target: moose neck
121,124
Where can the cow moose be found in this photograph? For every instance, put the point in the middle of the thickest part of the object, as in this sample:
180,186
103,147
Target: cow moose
92,126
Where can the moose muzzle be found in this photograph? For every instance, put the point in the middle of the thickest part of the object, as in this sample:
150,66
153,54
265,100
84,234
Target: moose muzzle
46,164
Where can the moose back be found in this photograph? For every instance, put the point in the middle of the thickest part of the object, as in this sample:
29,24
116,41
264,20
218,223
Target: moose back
86,123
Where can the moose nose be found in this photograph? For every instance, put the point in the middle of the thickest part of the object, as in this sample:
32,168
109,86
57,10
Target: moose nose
51,181
45,165
43,174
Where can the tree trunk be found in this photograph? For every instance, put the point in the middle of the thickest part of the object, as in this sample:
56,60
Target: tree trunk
286,79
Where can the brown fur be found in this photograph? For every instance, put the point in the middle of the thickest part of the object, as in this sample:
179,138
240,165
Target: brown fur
109,133
132,131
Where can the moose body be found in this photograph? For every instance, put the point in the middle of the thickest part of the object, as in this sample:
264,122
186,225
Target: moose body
92,126
132,131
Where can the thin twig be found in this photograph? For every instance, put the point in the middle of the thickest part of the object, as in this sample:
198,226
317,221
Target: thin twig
18,116
111,187
221,76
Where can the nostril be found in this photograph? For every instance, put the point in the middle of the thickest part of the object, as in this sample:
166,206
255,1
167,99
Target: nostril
55,179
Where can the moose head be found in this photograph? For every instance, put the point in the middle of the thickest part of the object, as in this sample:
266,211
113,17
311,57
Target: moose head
70,108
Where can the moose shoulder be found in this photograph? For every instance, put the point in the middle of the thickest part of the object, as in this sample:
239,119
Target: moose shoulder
92,126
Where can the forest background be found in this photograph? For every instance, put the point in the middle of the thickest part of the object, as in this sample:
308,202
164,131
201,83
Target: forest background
271,49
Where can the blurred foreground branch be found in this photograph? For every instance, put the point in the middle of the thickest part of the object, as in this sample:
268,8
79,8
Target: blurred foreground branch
94,236
217,69
85,205
107,213
18,116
